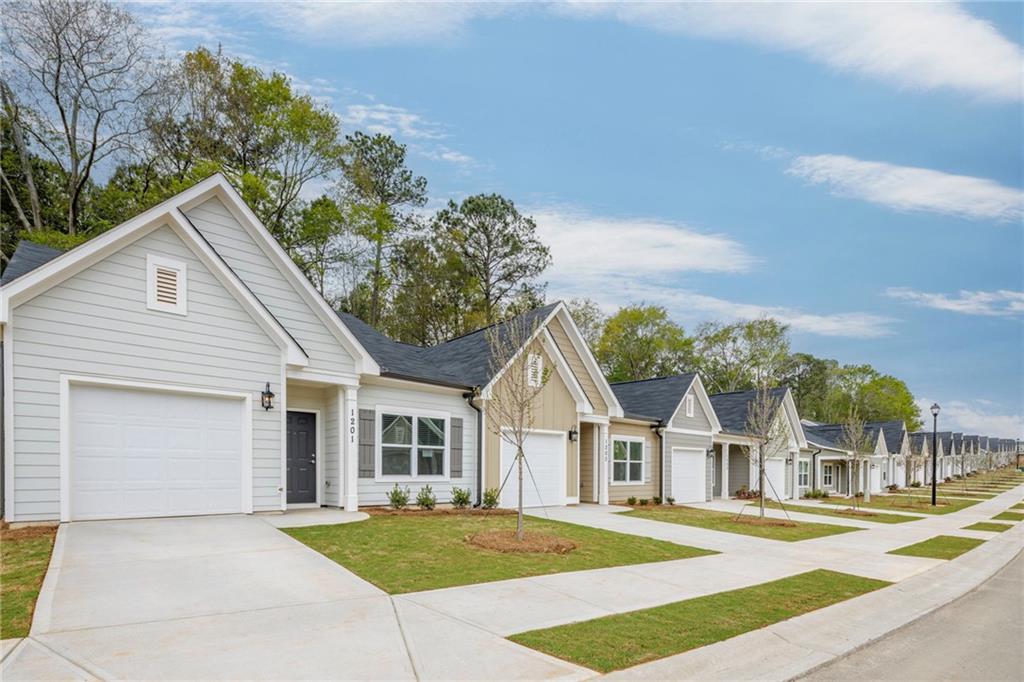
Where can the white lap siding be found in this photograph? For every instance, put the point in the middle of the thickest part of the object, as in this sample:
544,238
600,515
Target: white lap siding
96,323
255,268
682,440
375,397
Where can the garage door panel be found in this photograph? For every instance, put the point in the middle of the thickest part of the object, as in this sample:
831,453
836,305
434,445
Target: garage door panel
775,473
543,473
689,477
152,453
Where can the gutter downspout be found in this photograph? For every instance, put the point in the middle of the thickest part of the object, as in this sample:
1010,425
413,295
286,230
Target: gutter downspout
470,397
659,429
814,469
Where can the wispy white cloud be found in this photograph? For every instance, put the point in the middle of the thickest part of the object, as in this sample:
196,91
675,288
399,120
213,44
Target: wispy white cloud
993,303
919,45
365,24
619,261
391,120
975,417
907,188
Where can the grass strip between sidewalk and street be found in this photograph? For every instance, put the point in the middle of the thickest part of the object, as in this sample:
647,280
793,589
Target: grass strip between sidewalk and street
746,523
628,639
913,503
24,558
1009,516
410,553
939,547
859,514
988,526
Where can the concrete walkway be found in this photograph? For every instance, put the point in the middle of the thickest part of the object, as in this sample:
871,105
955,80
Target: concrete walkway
231,597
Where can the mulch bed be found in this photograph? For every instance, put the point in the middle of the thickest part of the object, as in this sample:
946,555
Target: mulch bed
26,532
532,543
758,521
416,511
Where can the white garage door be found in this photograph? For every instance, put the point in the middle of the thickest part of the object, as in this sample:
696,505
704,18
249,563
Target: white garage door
545,455
689,475
775,472
137,453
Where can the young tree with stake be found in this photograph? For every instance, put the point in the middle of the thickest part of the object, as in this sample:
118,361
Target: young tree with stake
857,441
517,359
765,426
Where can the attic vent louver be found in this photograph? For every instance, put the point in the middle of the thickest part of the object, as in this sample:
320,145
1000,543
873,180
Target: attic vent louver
166,284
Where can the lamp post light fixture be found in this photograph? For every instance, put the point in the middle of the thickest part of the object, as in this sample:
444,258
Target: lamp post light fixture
935,448
267,398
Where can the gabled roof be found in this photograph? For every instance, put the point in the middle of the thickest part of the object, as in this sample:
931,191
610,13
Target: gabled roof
653,399
68,263
732,408
27,257
918,443
464,361
892,431
819,437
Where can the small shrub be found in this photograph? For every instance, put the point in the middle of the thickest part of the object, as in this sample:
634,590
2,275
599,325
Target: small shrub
915,484
656,500
426,499
892,487
949,479
490,498
815,494
670,500
745,494
644,501
824,493
460,497
398,498
631,501
859,494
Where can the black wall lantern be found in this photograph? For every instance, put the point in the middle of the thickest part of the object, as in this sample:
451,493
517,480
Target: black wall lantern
574,434
267,398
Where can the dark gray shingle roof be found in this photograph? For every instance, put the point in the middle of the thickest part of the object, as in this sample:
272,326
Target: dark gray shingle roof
463,361
731,408
653,399
892,432
27,257
820,437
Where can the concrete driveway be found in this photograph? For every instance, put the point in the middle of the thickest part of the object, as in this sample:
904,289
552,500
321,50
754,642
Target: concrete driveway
231,597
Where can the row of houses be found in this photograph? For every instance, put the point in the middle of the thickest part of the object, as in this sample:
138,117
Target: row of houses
181,364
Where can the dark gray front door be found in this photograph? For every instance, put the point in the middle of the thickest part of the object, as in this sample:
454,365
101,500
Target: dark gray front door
301,457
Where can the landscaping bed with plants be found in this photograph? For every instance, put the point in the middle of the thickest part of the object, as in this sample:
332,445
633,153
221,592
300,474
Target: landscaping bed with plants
862,514
916,503
24,558
628,639
747,523
939,547
413,551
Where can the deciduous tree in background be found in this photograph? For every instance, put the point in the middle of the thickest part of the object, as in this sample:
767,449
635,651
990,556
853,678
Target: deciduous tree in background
742,355
641,342
588,318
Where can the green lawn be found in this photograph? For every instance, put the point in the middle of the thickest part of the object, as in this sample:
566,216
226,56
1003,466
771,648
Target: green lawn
628,639
915,503
729,523
865,516
1019,505
989,526
1009,516
950,492
939,547
24,556
409,553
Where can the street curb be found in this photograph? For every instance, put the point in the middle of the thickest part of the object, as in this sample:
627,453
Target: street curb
44,602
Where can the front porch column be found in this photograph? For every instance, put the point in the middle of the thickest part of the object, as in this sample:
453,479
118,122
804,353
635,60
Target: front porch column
350,422
604,464
795,455
725,471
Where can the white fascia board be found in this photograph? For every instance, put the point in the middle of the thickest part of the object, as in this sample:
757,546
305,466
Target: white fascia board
583,350
583,404
485,392
218,186
95,250
705,402
789,405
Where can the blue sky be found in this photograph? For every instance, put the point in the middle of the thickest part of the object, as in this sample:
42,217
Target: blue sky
853,170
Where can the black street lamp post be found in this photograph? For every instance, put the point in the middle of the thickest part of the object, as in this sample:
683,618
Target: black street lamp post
935,449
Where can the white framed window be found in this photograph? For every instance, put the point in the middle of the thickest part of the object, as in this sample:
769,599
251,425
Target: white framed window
826,476
627,460
804,474
689,405
412,445
166,284
535,370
